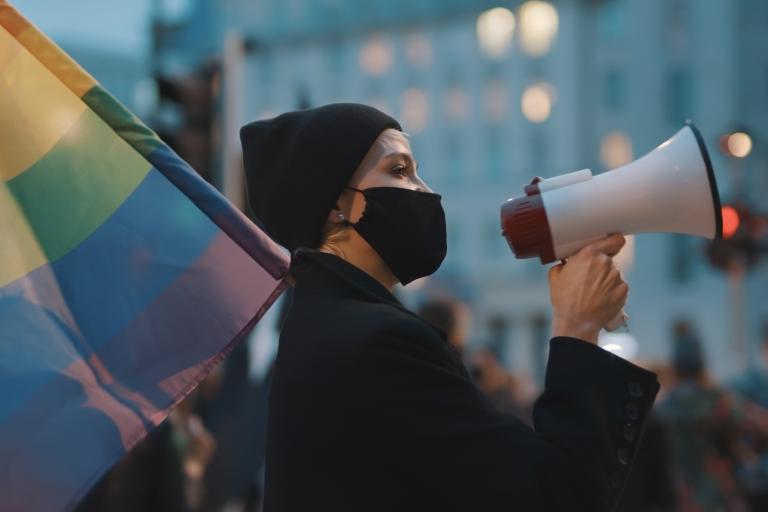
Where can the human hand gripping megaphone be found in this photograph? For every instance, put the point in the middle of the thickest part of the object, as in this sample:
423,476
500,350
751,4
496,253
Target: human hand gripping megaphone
672,189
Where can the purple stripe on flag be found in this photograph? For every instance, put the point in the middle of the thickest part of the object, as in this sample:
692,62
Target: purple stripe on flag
183,327
152,364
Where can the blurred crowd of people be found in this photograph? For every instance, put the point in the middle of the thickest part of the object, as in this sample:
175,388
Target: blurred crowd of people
705,447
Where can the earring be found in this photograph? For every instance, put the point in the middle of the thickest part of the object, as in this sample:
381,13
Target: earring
340,215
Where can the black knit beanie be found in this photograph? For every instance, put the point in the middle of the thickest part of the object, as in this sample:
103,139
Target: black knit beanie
297,164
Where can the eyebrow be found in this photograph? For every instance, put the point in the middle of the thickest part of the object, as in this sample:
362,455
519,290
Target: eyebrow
396,155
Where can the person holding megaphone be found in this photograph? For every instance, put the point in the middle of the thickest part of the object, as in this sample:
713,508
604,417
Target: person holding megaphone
370,407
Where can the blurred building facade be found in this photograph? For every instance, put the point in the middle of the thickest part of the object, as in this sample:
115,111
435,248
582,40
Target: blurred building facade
494,93
126,76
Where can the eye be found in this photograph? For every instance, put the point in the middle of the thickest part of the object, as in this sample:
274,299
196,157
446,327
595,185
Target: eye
400,170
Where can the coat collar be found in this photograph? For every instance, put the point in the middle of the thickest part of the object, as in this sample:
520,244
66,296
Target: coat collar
334,269
349,274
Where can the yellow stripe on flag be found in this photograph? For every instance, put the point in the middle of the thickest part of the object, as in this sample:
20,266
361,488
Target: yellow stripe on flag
36,109
52,57
19,250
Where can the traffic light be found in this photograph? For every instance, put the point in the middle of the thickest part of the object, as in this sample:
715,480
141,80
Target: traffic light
743,241
186,117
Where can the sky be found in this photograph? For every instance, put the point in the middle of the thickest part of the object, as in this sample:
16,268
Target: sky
120,26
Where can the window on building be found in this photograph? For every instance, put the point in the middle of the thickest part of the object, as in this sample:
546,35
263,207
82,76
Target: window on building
496,100
418,50
681,259
376,55
496,246
456,104
453,156
676,25
414,110
496,163
452,262
678,95
337,56
613,89
610,20
538,154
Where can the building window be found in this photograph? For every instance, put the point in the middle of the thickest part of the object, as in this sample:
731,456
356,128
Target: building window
452,262
453,156
418,50
496,162
496,100
610,20
613,90
676,27
615,150
495,28
678,95
414,110
456,104
537,101
376,56
538,152
538,27
681,259
496,246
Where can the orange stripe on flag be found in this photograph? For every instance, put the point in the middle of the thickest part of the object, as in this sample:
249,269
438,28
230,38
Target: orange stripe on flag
58,62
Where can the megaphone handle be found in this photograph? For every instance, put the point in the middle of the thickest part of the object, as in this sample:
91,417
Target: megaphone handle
618,321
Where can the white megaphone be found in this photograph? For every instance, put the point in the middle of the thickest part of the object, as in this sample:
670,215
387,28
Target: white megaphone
672,189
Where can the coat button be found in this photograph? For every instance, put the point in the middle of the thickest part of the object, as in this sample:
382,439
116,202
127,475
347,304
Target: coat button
630,432
632,410
623,455
635,389
617,478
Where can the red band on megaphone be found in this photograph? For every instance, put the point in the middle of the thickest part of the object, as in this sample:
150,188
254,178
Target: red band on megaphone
525,226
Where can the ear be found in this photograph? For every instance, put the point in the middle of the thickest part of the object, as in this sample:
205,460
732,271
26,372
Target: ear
336,216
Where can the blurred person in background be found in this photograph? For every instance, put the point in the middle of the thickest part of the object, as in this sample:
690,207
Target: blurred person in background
149,478
196,446
706,426
452,317
370,409
753,387
500,386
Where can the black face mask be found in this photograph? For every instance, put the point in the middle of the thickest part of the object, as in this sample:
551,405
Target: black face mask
407,229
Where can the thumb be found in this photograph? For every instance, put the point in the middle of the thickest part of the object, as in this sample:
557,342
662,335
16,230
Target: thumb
554,272
610,245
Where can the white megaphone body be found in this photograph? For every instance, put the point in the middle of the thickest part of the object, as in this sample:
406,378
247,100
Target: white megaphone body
672,189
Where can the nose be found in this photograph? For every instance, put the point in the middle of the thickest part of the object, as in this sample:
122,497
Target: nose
421,186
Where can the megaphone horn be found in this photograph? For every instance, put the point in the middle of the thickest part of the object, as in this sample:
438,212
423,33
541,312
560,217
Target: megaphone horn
672,189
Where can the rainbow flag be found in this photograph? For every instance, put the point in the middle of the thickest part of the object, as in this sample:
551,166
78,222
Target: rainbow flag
124,277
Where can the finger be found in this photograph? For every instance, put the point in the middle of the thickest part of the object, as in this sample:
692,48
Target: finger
554,271
610,245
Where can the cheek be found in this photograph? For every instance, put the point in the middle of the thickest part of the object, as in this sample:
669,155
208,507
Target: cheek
357,207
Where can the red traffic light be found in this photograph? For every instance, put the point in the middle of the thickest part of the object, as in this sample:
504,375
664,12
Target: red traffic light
731,221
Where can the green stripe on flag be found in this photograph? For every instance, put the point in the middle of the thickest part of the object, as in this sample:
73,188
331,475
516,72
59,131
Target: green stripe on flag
77,185
122,120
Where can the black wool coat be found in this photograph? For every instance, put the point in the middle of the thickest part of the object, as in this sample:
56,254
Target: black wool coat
371,409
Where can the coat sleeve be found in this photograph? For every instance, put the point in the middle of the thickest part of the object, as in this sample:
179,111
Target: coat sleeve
438,431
